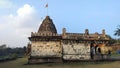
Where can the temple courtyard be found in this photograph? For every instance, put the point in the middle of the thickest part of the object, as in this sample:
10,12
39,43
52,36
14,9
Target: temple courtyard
22,63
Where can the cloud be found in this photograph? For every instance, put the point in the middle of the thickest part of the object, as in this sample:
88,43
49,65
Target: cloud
5,4
25,10
25,18
20,25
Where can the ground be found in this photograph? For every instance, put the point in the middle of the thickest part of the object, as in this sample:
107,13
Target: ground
22,63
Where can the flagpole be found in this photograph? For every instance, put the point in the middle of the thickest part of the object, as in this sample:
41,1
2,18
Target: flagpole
47,11
46,6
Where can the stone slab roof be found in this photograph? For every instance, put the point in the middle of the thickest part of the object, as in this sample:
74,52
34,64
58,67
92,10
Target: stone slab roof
47,26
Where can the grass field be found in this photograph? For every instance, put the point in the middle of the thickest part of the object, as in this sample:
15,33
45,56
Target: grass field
22,63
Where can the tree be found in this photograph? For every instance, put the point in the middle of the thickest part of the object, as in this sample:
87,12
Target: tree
117,31
111,41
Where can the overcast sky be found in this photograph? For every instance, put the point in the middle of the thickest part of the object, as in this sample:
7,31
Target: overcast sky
18,18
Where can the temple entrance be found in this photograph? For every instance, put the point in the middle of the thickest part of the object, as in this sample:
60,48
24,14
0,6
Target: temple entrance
95,51
92,50
99,50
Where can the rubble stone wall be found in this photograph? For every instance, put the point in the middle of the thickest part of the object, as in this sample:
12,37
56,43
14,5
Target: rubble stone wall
76,51
68,51
46,49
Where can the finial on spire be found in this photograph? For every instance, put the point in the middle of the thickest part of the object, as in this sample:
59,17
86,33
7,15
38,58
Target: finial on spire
46,6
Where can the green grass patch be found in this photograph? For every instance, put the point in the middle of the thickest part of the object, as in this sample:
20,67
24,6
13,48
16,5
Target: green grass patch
115,55
22,63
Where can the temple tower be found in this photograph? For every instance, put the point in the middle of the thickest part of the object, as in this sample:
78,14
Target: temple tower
47,26
46,43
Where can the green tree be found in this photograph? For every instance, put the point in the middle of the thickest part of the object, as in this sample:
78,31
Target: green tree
111,41
117,31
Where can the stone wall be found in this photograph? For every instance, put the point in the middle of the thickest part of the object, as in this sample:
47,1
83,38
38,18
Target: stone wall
115,47
46,49
75,51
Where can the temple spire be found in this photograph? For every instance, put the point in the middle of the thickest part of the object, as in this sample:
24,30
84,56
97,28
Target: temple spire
47,26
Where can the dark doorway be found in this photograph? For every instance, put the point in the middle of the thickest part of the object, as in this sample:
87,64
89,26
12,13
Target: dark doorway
99,50
92,50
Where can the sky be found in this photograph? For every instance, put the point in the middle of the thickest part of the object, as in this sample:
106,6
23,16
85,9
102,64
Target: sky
18,18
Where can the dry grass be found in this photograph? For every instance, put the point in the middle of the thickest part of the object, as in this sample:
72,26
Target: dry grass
21,63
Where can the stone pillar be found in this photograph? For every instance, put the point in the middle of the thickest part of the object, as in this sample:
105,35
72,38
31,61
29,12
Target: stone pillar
63,32
32,34
86,32
103,32
28,50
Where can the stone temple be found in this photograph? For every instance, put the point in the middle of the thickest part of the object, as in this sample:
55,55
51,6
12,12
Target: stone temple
49,46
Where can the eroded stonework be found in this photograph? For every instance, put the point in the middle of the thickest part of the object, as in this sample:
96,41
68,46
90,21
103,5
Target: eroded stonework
49,46
76,51
46,49
47,26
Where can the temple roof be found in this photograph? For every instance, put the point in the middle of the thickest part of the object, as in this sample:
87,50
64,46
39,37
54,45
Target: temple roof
47,26
47,30
77,36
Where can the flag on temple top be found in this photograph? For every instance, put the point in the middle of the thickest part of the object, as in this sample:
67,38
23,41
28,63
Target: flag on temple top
46,5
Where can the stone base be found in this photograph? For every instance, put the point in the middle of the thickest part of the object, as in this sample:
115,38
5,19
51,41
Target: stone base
44,60
101,57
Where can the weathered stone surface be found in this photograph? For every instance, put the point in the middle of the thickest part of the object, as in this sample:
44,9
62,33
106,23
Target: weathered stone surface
46,49
68,46
76,57
76,51
47,26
